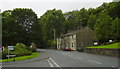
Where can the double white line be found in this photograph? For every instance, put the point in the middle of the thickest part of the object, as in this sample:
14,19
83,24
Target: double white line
53,63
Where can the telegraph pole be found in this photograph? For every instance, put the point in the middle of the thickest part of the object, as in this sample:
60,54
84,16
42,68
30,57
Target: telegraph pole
54,36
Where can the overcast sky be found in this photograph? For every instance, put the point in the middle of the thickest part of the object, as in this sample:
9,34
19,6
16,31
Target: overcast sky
41,6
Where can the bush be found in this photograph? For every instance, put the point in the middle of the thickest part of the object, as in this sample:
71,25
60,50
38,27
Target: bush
4,54
21,50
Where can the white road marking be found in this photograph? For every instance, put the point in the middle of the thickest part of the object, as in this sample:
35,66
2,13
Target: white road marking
94,62
113,66
51,65
54,62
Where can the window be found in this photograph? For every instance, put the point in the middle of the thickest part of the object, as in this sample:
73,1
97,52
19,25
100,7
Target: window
72,36
72,44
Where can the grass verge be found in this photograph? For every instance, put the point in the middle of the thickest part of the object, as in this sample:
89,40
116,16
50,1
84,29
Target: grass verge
111,46
33,55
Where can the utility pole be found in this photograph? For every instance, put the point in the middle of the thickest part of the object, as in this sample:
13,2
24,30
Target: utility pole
81,34
54,36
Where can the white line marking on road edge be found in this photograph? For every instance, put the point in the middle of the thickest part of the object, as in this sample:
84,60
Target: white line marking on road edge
51,65
94,62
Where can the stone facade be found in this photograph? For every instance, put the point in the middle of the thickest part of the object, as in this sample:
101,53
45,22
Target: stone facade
76,39
67,41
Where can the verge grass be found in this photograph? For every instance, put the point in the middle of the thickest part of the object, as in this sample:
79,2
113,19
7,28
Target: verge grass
33,55
111,46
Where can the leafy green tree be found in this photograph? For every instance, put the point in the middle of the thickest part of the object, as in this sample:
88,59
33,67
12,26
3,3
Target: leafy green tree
8,31
116,29
83,17
92,21
1,28
103,26
71,22
114,9
52,19
25,18
18,25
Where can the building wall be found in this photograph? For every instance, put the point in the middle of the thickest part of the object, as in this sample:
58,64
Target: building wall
73,42
85,37
68,41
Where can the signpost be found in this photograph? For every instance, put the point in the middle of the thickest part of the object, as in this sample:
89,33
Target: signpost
10,48
95,43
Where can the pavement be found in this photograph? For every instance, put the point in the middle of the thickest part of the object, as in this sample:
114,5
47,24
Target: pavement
60,59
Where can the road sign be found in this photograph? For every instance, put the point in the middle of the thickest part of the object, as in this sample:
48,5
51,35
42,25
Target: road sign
11,55
95,43
10,47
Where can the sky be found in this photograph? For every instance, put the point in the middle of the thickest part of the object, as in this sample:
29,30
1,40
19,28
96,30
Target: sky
41,6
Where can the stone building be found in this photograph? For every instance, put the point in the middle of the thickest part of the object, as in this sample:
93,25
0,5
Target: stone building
83,37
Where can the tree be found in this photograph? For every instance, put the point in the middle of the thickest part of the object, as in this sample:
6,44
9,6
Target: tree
103,26
114,9
26,19
8,33
71,22
116,29
92,21
18,26
52,19
83,17
0,28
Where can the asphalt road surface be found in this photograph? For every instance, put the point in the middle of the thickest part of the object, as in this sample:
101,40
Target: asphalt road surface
59,58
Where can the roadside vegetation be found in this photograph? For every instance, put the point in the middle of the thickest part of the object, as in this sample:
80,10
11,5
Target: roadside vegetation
110,46
21,52
33,55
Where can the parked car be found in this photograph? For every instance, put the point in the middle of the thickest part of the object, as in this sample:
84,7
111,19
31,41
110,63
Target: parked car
66,49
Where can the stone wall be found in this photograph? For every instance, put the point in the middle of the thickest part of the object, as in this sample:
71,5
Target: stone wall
102,51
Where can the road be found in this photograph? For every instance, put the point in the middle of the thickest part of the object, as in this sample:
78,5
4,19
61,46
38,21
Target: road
58,58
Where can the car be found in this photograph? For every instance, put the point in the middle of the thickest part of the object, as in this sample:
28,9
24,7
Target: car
66,49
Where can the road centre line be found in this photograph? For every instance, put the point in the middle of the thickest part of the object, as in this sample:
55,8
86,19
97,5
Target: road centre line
94,62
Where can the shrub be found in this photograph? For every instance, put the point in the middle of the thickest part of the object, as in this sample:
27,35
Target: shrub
21,50
4,53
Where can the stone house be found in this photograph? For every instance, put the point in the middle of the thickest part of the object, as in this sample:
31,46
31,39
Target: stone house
83,37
